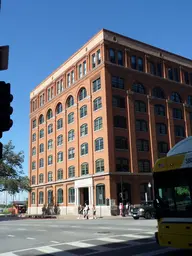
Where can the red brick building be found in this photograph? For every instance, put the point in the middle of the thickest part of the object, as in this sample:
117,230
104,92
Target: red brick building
99,122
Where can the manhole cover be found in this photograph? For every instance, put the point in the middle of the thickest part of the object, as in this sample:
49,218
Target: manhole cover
103,232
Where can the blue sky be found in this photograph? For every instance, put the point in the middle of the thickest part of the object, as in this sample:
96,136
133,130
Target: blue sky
44,33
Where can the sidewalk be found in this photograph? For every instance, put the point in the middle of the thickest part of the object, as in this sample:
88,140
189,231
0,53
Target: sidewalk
74,217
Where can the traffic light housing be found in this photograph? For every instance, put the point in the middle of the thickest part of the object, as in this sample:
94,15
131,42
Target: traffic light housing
5,107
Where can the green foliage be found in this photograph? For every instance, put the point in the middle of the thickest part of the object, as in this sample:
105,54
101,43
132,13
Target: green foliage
12,177
182,191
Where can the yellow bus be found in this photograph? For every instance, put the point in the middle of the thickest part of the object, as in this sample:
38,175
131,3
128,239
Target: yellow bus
173,196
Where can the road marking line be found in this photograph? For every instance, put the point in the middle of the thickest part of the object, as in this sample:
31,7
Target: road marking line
21,229
8,254
81,244
55,242
11,235
111,240
157,252
48,249
136,236
150,233
30,238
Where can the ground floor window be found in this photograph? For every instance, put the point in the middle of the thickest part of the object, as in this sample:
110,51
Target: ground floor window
71,195
60,196
40,197
100,194
50,196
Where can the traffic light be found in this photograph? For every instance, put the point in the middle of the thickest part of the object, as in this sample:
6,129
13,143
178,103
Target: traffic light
5,108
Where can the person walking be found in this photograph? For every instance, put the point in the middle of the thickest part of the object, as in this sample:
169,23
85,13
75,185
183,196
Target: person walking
94,212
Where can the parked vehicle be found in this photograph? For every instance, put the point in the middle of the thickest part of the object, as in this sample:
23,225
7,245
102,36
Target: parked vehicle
145,210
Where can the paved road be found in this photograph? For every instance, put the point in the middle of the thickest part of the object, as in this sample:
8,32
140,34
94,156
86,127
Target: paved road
80,237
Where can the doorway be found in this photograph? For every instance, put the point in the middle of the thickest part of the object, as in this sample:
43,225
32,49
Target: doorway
84,195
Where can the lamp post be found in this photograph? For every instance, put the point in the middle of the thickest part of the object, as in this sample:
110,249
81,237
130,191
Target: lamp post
149,186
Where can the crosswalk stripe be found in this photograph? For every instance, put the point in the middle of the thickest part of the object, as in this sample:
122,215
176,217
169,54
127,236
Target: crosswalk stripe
80,244
136,236
48,249
110,240
8,254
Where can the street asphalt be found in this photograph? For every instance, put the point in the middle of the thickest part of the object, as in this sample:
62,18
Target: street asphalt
74,237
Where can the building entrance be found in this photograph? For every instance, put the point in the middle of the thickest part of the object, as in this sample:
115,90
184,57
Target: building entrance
84,192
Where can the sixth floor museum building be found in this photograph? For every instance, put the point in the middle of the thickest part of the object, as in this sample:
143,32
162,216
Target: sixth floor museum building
99,122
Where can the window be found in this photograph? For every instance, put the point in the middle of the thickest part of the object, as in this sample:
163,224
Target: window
93,60
60,174
33,180
33,165
96,84
71,194
72,77
144,166
41,178
50,128
176,75
70,101
50,160
71,135
83,111
41,119
83,130
50,196
161,129
99,165
120,58
138,88
97,104
179,131
162,147
84,149
98,57
170,73
60,140
142,145
133,62
152,68
141,125
84,169
50,93
80,71
98,123
34,123
34,137
157,92
59,157
33,151
68,80
50,144
41,133
177,113
121,142
186,77
189,100
70,117
59,108
60,123
140,64
122,164
50,176
42,99
33,198
82,94
118,101
60,86
71,153
49,114
41,163
84,68
140,106
160,110
159,69
120,122
99,145
60,196
176,97
112,57
100,194
117,82
71,171
41,148
41,197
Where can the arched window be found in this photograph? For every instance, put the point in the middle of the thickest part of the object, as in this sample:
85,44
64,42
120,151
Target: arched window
50,159
60,140
60,196
71,135
97,104
41,133
158,93
50,144
70,101
84,169
33,180
50,176
176,97
71,195
33,198
100,194
41,119
59,108
49,114
60,174
99,165
71,153
84,149
59,157
41,178
99,144
33,151
41,148
71,171
138,88
50,128
82,93
50,196
41,163
41,197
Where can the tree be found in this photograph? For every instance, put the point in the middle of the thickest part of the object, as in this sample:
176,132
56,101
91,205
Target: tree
12,178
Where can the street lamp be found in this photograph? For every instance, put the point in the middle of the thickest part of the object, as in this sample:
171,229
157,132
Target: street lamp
149,186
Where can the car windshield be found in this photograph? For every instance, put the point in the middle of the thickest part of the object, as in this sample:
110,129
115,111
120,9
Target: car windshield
173,191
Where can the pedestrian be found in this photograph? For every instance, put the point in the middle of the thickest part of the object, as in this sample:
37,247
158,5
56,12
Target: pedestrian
94,212
80,211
